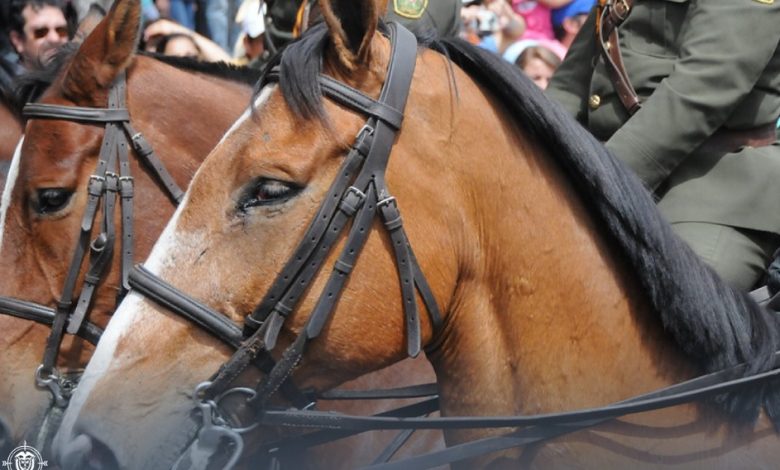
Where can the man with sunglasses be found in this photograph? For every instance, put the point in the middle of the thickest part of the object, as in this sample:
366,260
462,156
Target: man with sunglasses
37,29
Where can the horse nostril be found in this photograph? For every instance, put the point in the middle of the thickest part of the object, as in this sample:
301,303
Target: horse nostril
88,453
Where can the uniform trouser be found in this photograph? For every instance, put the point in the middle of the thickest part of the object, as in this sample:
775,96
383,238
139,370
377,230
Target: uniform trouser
740,256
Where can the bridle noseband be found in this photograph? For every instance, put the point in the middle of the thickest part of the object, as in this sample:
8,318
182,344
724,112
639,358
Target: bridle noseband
110,180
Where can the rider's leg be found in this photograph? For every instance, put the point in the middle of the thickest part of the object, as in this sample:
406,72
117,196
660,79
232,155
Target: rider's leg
739,256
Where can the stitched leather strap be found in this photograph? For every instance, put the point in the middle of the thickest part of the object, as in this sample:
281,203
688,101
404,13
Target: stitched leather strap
75,113
152,287
45,316
611,14
147,155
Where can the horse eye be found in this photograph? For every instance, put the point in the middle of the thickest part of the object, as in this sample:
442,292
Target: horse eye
266,192
51,200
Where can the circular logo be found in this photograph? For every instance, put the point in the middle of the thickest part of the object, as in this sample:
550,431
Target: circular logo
25,457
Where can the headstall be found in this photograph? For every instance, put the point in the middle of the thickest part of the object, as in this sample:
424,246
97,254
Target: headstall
106,184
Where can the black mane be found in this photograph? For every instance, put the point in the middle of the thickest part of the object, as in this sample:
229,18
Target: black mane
29,86
716,326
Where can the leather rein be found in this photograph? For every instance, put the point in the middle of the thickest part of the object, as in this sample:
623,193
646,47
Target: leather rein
359,194
106,184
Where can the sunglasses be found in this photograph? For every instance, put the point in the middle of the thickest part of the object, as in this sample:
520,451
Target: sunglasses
42,32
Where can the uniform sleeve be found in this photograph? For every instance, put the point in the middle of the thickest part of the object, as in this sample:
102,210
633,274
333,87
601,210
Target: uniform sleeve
570,84
725,46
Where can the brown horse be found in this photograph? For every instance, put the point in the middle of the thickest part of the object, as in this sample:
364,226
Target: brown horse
182,110
47,198
559,284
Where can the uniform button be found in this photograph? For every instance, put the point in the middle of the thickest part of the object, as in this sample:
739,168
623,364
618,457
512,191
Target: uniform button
594,102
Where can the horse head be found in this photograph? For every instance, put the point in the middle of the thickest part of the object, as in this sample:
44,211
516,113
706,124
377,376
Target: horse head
46,198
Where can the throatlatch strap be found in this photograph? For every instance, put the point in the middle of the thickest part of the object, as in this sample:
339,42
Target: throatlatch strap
147,155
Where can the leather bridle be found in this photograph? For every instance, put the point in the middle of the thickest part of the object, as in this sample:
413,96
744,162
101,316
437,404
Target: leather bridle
110,181
358,194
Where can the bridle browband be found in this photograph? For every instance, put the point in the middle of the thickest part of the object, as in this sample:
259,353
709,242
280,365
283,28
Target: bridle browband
110,180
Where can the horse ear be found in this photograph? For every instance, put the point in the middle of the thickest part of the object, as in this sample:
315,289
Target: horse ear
105,52
352,24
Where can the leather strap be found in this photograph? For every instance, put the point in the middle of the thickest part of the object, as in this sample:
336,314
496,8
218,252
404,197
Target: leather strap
611,14
45,316
147,155
152,287
75,113
671,396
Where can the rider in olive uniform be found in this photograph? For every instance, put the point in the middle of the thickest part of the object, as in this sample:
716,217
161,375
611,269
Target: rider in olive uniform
441,16
421,16
707,73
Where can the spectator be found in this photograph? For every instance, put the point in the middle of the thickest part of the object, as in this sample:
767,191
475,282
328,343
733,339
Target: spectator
37,29
537,16
150,11
178,45
568,20
477,22
539,64
509,28
161,30
183,12
219,16
252,50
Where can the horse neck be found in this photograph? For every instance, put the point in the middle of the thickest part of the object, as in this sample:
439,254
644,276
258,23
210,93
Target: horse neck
542,307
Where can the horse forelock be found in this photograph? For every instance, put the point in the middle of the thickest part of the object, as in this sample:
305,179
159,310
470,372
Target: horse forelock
10,182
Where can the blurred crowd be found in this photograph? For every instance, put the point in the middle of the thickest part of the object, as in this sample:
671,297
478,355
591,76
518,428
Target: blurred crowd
534,34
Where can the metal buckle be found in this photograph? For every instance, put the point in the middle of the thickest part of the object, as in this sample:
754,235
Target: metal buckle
96,185
126,184
60,388
358,193
352,201
112,182
366,129
386,202
621,9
